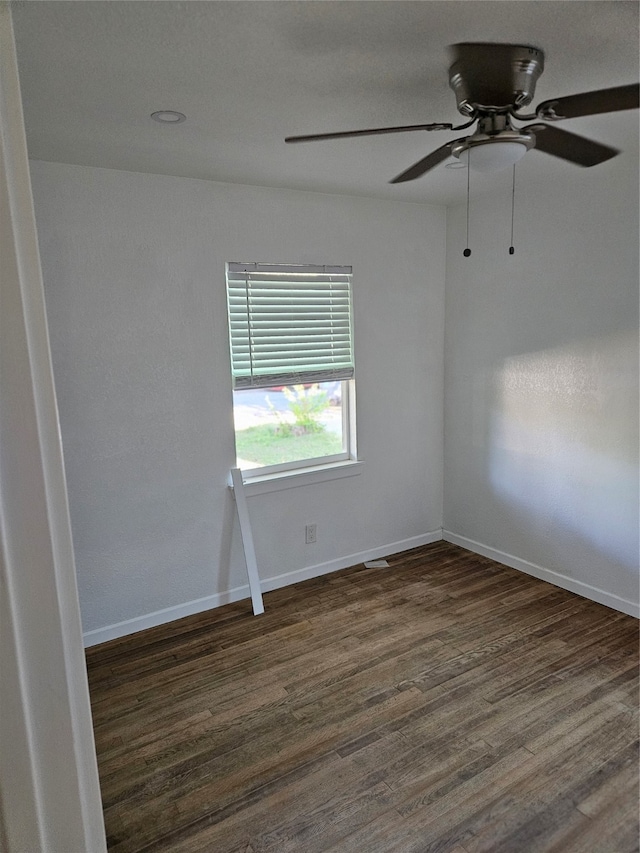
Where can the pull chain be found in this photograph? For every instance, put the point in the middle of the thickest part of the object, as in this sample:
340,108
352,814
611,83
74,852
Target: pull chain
467,251
513,202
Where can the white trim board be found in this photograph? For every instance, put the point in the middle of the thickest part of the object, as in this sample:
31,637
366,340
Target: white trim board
593,593
189,608
51,799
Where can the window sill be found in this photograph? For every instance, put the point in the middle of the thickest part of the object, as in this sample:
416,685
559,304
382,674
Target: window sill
301,477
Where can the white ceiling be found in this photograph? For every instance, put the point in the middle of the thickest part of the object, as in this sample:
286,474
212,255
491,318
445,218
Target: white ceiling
250,72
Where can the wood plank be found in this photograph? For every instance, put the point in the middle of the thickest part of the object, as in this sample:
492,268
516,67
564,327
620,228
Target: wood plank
446,704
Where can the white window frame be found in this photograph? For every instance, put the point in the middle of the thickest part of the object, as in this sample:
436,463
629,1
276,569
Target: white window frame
301,471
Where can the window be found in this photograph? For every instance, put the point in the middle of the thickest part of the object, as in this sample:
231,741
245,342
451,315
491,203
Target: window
292,365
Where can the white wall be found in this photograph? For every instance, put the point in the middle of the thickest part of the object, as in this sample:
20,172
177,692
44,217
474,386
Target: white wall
541,377
134,280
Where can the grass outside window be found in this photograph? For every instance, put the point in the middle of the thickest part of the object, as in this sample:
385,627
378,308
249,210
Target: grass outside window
266,445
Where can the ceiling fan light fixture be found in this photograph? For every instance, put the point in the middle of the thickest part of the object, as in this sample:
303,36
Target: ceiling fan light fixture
493,154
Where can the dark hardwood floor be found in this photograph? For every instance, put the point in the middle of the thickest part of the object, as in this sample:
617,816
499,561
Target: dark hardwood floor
447,703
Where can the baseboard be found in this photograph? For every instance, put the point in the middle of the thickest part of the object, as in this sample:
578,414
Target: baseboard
350,560
160,617
189,608
601,596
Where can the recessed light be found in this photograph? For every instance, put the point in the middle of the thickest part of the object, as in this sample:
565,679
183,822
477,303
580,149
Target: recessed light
168,117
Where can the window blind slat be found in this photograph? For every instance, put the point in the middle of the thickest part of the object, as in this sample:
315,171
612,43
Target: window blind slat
289,324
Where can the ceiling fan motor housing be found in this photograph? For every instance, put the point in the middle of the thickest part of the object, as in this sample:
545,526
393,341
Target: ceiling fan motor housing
494,77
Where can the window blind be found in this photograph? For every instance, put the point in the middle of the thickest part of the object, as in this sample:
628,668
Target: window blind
289,324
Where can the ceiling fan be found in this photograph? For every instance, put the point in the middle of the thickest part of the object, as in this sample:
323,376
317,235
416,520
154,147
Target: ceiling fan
492,83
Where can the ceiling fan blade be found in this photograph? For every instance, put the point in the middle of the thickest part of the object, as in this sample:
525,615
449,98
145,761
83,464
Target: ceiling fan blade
427,163
314,137
570,146
590,103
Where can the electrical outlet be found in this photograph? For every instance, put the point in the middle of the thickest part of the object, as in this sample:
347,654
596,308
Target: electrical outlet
310,534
